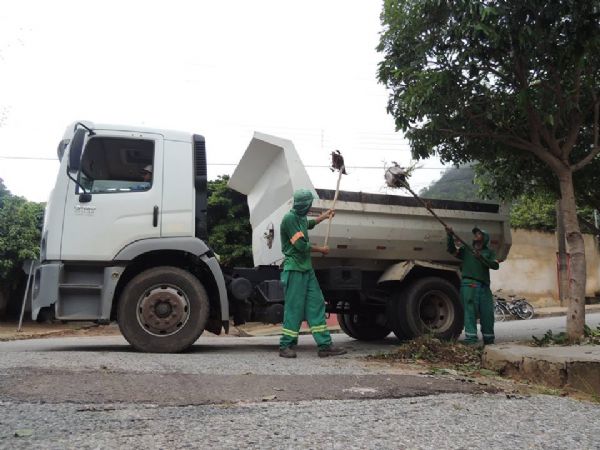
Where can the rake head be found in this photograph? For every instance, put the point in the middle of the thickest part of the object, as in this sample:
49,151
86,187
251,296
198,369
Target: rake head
337,162
396,176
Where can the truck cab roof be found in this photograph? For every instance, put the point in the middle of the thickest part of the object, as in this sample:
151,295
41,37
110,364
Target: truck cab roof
171,135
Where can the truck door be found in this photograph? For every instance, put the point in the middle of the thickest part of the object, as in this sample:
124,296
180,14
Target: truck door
122,172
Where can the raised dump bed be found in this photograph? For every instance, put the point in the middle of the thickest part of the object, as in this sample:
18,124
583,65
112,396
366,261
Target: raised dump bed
367,227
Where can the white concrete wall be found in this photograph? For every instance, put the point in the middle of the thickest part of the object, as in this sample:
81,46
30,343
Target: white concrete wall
530,269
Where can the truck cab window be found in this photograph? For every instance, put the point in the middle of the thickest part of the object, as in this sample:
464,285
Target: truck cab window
113,165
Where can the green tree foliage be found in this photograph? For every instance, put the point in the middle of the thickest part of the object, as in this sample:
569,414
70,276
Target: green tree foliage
499,178
20,228
477,80
229,231
456,183
530,211
536,212
3,192
508,83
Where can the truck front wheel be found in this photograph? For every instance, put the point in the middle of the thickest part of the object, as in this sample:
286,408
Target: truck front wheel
428,305
163,310
362,327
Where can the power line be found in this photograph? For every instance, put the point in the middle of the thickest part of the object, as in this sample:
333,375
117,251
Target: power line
38,158
310,166
315,166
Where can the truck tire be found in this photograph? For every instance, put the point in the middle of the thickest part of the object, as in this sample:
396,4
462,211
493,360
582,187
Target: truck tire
163,310
428,305
362,327
395,310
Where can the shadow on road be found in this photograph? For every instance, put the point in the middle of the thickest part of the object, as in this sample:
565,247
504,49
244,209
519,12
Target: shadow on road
235,346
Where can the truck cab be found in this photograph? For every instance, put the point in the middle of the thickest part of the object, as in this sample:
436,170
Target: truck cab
124,237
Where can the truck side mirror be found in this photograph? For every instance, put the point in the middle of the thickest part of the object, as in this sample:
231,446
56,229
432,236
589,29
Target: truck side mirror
76,149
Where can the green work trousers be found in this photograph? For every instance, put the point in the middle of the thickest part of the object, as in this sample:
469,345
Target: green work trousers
303,300
477,301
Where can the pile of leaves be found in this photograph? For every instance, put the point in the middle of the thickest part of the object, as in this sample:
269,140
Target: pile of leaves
591,336
432,350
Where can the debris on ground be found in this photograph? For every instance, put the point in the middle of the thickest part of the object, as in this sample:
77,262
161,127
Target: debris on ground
431,350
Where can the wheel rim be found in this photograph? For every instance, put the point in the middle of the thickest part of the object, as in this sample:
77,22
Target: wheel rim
525,311
436,311
163,310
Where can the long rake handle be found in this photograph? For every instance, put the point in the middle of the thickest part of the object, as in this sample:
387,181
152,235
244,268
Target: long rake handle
457,237
335,197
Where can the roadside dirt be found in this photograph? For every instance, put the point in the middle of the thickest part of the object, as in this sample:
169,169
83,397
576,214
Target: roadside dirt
32,330
458,362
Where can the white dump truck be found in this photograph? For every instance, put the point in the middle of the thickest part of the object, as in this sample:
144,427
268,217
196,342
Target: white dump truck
388,268
125,238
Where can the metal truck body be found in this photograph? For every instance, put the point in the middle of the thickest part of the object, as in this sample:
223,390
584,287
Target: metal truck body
107,233
388,268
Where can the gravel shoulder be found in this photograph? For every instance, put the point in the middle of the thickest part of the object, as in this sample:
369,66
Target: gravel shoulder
449,421
95,392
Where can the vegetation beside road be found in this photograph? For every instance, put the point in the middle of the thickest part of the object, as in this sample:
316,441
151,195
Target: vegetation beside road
591,336
20,232
229,231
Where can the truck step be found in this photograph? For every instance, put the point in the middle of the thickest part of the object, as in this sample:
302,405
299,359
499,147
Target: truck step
80,287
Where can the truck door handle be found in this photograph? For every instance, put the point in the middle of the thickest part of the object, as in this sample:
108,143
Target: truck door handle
155,217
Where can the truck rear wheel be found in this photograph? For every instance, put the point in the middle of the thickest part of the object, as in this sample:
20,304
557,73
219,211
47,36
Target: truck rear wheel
428,305
362,327
163,310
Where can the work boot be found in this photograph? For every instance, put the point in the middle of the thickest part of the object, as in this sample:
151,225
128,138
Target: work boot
331,350
287,352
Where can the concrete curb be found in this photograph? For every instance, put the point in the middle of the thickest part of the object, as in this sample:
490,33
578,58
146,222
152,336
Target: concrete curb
576,367
551,312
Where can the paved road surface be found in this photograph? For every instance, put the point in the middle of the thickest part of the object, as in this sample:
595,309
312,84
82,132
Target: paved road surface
237,393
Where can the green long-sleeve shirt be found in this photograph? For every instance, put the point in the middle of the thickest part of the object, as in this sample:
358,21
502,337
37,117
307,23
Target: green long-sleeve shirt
294,241
472,267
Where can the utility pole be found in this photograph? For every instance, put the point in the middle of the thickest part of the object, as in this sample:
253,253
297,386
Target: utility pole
562,257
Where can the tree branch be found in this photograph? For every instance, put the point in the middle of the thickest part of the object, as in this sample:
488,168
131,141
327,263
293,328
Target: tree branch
595,147
585,161
555,163
571,139
536,126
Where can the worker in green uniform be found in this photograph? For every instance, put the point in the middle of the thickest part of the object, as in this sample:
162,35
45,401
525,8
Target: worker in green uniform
303,296
475,294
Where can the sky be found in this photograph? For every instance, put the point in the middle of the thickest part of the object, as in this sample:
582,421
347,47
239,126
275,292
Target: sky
305,71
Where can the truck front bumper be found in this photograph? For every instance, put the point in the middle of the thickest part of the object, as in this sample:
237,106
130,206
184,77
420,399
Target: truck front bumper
45,287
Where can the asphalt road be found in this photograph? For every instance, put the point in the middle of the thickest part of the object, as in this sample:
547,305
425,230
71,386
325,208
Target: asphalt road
232,392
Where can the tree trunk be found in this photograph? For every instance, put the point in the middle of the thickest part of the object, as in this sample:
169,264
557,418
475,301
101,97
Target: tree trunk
563,274
576,249
4,294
